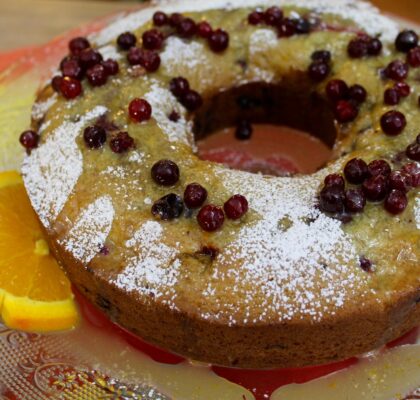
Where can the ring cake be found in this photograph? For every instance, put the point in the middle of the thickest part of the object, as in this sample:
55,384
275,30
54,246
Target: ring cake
220,265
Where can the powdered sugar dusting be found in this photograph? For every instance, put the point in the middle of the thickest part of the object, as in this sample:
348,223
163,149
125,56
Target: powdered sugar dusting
163,103
417,212
86,238
51,171
39,109
151,269
362,13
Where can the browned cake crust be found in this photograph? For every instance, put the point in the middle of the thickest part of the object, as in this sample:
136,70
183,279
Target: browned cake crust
286,288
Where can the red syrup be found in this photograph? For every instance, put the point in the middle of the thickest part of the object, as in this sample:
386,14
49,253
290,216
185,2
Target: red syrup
282,159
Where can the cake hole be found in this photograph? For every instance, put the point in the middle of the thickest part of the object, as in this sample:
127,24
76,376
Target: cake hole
293,128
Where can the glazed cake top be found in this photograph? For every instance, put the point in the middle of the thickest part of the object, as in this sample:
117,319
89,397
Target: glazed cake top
286,259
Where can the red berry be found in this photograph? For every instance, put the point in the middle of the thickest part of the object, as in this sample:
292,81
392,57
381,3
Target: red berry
357,93
397,70
29,139
413,169
179,87
153,39
165,173
334,180
273,16
375,187
337,89
186,28
97,75
204,29
413,151
89,58
56,83
139,110
345,111
358,47
134,55
160,18
78,44
210,218
94,136
150,60
406,40
396,202
70,88
256,17
331,199
121,142
400,180
194,195
379,167
218,40
393,123
236,206
356,171
192,100
168,207
403,89
71,67
111,66
175,19
355,200
318,71
286,28
413,57
126,41
391,97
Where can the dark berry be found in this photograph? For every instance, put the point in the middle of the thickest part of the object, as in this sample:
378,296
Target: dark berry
356,171
396,70
70,88
236,206
89,58
175,19
406,40
331,199
379,167
194,195
139,110
375,187
153,39
403,89
121,142
72,68
357,93
400,180
413,57
168,207
321,55
111,66
413,169
334,180
192,100
391,97
413,151
302,26
160,18
134,55
318,70
374,47
29,139
78,44
165,173
97,75
174,116
187,28
273,16
355,200
337,89
218,40
204,29
358,47
126,41
94,136
150,60
210,218
393,123
365,264
345,111
56,83
179,86
396,202
243,130
256,17
286,28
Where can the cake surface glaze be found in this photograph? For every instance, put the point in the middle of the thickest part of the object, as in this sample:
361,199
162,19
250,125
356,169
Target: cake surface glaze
286,288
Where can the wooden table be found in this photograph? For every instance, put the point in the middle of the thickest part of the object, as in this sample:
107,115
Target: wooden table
32,22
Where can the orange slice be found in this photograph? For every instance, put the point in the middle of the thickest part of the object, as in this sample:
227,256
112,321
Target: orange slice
35,295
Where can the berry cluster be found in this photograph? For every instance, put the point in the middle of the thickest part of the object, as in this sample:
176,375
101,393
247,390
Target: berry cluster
82,62
407,42
320,67
95,137
210,217
180,88
274,17
364,46
346,100
393,95
375,182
